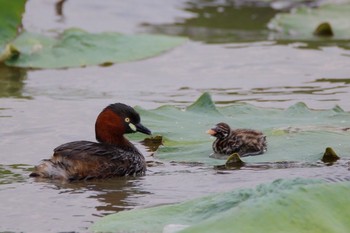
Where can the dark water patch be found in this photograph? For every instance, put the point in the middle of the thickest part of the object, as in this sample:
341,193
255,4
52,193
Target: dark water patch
263,94
334,80
4,115
219,22
12,81
308,90
280,90
314,45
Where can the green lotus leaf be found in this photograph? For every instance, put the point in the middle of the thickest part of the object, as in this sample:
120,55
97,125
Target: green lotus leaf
77,48
327,21
10,20
283,206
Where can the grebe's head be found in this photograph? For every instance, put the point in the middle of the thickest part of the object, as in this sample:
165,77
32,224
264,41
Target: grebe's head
221,130
115,120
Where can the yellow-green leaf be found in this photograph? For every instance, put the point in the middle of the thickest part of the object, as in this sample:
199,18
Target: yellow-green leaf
10,19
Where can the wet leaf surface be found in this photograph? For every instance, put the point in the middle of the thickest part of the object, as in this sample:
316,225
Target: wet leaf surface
283,205
77,48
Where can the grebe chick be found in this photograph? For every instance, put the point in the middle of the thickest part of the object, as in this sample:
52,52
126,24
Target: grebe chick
245,142
112,155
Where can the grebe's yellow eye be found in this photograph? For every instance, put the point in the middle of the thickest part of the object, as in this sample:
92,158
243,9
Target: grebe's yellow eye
127,120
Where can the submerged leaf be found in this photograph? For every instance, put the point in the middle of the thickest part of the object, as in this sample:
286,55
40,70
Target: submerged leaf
76,48
153,143
329,156
233,162
324,29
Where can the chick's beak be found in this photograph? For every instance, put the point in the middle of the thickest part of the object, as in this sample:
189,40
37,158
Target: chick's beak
212,132
142,129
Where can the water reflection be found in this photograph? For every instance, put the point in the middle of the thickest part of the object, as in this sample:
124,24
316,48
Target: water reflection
308,90
112,195
317,44
12,82
334,80
59,7
215,22
271,94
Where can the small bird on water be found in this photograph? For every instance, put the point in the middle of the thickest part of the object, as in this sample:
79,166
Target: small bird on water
112,155
245,142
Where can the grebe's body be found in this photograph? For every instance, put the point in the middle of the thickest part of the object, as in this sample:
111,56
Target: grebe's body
112,155
245,142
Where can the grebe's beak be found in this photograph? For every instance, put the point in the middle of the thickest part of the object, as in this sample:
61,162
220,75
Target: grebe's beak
142,129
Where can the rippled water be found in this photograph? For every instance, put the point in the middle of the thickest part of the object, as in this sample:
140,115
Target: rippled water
40,109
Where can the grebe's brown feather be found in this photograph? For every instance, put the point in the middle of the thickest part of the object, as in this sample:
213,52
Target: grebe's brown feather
85,160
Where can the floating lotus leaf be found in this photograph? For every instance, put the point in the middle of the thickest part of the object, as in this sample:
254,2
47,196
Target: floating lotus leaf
314,23
282,206
10,20
77,48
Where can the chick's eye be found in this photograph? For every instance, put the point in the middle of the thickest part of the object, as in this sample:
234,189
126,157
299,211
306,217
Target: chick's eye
127,120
